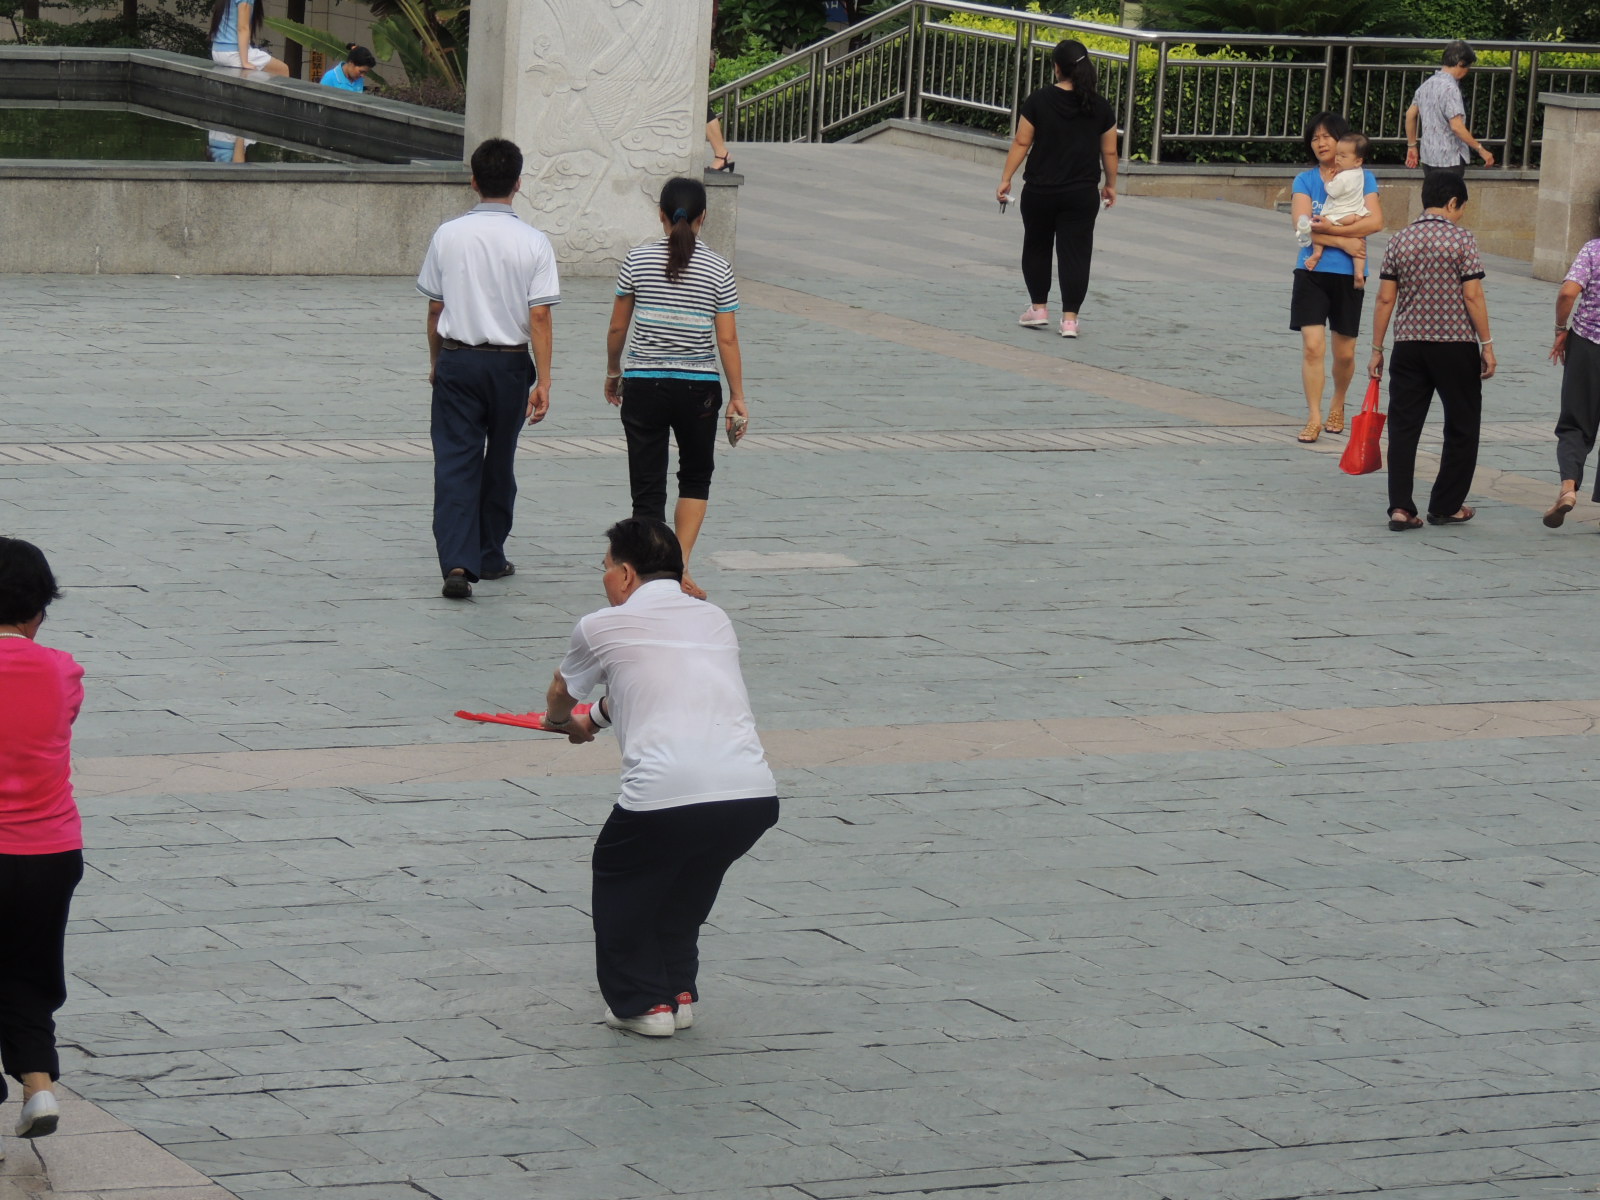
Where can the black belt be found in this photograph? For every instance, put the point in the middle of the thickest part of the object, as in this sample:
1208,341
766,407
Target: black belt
452,344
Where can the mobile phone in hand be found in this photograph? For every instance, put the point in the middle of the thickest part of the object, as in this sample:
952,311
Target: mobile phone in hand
736,428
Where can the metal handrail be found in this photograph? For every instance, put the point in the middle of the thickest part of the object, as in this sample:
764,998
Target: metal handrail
838,85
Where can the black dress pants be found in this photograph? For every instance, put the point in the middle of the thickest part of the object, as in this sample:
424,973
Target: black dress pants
480,402
1416,371
1063,221
656,877
35,896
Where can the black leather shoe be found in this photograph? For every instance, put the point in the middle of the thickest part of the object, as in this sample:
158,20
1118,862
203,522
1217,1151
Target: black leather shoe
457,587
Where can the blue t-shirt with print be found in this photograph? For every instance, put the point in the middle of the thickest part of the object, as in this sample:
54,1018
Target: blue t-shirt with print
1334,260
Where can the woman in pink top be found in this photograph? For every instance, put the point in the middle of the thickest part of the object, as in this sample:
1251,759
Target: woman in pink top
41,845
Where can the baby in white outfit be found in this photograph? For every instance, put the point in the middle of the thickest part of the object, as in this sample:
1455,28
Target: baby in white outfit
1346,201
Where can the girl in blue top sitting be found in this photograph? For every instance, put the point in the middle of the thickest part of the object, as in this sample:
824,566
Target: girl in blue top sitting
351,74
235,26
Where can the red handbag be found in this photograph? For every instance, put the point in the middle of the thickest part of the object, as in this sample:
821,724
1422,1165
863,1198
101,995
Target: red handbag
1363,455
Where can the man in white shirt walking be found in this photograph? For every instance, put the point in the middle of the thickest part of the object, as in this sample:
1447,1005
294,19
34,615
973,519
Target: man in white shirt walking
696,789
1436,123
490,281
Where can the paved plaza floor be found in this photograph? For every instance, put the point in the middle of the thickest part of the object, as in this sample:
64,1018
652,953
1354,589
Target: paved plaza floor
1157,823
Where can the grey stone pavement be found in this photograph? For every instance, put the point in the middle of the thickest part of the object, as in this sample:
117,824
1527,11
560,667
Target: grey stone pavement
1157,823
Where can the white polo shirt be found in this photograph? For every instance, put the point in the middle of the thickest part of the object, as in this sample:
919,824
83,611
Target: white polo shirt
676,698
489,267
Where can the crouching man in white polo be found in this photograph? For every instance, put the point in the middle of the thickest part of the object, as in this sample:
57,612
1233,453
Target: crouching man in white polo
696,789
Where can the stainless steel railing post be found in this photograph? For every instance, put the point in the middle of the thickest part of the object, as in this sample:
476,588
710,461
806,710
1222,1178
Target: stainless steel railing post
1533,109
1019,76
1511,109
1131,121
1159,110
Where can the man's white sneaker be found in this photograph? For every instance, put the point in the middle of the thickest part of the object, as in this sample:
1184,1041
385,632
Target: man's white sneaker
655,1023
40,1116
683,1018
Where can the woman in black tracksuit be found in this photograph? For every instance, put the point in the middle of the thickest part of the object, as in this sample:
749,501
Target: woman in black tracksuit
1068,135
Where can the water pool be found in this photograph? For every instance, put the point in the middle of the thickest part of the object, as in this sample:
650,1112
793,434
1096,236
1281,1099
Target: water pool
122,134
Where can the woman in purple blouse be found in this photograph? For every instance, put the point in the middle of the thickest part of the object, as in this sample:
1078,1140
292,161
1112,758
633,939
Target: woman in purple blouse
1577,349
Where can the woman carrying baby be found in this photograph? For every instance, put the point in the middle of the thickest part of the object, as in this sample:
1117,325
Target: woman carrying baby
1326,295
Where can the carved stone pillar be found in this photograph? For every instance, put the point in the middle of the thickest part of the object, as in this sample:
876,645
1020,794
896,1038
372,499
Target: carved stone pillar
607,99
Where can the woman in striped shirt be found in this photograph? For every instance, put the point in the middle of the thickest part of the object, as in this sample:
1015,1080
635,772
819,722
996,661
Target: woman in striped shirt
679,297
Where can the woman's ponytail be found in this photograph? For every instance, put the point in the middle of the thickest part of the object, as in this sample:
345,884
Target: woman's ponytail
1074,65
683,202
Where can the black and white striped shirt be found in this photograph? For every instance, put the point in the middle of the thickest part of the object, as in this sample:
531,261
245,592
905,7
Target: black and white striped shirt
674,323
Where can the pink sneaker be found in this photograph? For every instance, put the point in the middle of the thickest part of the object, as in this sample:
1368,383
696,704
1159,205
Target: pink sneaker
1069,327
1034,317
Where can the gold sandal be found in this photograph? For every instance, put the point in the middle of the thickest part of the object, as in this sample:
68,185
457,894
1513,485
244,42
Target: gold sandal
1556,516
1311,432
1335,421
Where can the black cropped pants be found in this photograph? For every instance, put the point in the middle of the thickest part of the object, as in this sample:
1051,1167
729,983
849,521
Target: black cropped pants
687,410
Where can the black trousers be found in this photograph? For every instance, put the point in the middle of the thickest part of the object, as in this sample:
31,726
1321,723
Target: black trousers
685,408
1063,222
35,896
1580,408
656,877
1416,371
480,401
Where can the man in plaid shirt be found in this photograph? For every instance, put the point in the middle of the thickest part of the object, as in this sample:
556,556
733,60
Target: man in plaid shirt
1433,288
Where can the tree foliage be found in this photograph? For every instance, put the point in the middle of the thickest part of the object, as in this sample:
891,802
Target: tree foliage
1549,20
1307,18
785,24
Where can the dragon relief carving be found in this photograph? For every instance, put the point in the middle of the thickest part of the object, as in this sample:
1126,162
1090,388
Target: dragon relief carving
606,117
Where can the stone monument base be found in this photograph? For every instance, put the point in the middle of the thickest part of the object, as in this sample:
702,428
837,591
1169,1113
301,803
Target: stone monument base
1569,183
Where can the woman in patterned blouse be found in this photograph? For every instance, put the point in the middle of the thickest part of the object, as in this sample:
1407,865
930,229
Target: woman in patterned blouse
1577,349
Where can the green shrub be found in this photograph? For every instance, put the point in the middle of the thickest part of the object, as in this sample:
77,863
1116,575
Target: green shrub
154,30
753,55
791,23
1310,18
